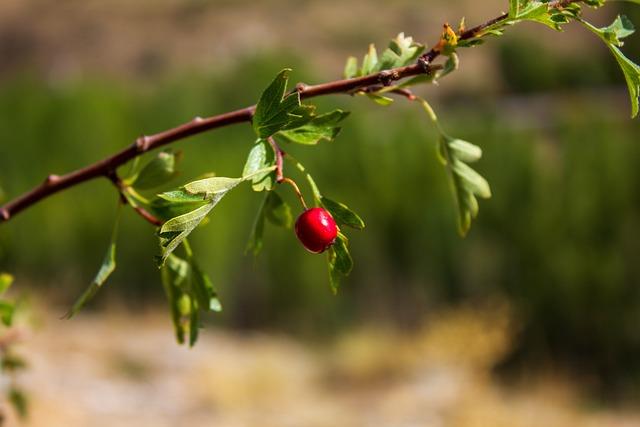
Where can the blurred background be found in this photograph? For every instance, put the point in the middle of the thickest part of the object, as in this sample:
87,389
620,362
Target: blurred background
533,319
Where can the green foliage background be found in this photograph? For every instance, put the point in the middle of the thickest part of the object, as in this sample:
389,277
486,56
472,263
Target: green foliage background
559,238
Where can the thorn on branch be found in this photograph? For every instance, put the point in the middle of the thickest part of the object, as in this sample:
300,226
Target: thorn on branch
387,77
197,119
424,64
4,214
142,144
51,179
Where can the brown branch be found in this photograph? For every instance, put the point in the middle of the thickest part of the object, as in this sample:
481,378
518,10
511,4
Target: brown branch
103,168
146,215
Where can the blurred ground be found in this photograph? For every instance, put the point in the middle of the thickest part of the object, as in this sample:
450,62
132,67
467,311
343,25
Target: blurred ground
94,371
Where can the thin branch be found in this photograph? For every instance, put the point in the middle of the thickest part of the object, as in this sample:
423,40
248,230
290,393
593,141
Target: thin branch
103,168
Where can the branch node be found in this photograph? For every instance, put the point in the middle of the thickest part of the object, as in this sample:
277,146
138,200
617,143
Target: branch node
424,65
197,119
142,144
301,87
386,77
51,179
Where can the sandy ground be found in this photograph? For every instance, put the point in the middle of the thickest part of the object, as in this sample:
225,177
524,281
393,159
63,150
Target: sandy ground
126,371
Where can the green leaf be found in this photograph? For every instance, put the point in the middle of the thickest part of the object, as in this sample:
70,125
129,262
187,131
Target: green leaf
351,68
322,127
276,110
339,261
212,187
631,72
514,8
380,100
466,182
19,401
261,156
189,291
174,273
621,28
7,310
5,282
612,36
370,61
402,51
541,12
203,289
175,230
175,203
277,211
194,323
106,269
158,171
342,214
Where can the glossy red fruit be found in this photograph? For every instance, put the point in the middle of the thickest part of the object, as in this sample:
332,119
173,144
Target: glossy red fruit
316,229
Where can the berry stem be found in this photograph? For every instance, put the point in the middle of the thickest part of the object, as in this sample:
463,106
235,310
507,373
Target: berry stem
296,189
279,153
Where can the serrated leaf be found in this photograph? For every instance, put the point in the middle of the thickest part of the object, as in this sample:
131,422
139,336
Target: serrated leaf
342,214
612,36
106,269
261,156
175,230
541,12
322,127
277,211
159,171
402,51
5,282
466,182
276,110
339,261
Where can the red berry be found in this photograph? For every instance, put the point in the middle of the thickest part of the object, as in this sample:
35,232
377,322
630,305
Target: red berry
316,229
